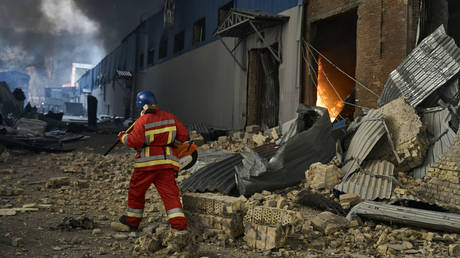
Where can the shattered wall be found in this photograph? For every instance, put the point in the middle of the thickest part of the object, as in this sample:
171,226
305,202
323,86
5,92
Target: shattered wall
386,32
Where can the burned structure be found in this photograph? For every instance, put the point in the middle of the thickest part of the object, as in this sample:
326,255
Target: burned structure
365,40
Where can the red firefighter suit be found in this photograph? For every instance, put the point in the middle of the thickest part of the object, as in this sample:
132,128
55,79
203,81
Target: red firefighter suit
154,136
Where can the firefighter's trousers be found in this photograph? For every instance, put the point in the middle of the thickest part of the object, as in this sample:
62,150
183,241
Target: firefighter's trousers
166,186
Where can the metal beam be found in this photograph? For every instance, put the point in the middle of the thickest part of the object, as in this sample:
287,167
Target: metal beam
231,53
275,55
237,45
406,216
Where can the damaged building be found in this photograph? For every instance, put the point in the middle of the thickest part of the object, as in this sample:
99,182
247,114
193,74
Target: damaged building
255,61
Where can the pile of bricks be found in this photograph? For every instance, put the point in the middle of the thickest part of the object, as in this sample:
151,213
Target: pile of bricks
266,228
215,214
442,184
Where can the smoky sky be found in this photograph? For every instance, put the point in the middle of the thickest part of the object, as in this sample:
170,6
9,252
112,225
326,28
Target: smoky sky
65,31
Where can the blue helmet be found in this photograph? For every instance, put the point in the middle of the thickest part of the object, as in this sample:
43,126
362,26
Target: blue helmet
145,98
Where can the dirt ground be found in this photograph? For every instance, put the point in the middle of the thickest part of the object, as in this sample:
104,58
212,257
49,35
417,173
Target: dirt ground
102,198
95,187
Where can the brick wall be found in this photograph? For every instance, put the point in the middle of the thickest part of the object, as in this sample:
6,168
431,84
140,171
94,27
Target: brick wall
381,45
385,35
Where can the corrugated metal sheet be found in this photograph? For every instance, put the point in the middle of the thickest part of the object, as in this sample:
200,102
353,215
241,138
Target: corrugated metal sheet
437,122
429,66
220,176
372,182
371,129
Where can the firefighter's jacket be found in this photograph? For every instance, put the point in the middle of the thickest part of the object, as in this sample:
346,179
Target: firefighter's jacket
155,136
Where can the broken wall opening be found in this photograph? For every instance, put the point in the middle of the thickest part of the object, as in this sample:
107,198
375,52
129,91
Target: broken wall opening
440,12
263,89
335,38
454,20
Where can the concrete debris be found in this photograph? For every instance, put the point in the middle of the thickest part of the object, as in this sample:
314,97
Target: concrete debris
252,129
120,236
117,226
442,184
166,242
58,182
329,223
260,139
349,200
7,212
267,228
17,242
321,176
209,213
407,133
197,138
454,250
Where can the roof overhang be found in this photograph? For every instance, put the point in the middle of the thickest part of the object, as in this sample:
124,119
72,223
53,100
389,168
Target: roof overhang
240,23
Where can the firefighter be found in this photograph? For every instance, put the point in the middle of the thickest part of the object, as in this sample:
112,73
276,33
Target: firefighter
155,135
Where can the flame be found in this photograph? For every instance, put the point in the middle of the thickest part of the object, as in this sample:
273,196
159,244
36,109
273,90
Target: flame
326,96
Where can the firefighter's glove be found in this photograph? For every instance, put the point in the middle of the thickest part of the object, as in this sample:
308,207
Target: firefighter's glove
121,134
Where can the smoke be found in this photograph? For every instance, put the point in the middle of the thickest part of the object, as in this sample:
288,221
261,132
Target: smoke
50,35
66,17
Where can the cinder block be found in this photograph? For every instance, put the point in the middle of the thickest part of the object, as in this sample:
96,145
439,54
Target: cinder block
269,216
230,226
265,237
212,204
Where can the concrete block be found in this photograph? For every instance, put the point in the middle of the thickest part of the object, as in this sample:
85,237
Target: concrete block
270,216
265,237
230,226
252,129
328,222
213,204
407,133
323,176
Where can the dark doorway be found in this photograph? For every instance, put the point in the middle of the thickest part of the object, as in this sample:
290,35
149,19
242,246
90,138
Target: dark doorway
263,89
454,20
335,39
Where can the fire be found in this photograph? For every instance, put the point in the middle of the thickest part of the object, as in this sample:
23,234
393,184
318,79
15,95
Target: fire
326,96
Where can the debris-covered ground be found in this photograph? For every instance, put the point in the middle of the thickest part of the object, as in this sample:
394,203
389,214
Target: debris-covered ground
385,184
67,202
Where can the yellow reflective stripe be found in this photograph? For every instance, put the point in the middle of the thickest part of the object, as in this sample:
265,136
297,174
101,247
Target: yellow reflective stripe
147,152
168,151
156,162
124,139
134,215
170,136
175,215
162,130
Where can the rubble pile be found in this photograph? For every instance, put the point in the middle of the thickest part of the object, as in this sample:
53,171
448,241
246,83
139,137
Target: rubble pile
215,215
408,136
442,184
251,137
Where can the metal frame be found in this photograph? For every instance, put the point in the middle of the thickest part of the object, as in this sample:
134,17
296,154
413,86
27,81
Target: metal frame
232,54
237,18
261,37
